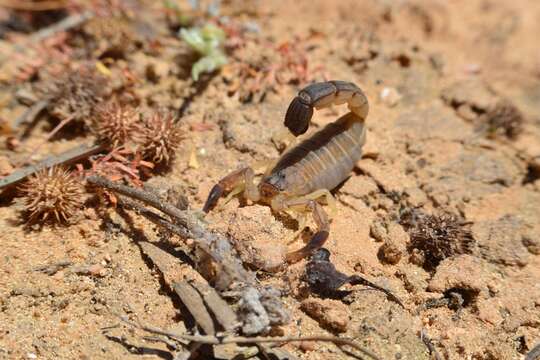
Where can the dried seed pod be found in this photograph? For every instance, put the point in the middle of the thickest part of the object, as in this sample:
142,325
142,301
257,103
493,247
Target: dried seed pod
52,194
503,119
162,136
75,94
118,125
437,237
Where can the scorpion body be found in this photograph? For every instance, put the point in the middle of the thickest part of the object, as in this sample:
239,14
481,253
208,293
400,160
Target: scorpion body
309,170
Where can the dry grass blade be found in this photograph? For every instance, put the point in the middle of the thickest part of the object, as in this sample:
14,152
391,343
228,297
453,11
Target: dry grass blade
68,157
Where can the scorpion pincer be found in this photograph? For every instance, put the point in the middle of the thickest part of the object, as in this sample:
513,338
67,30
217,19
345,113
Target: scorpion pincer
307,172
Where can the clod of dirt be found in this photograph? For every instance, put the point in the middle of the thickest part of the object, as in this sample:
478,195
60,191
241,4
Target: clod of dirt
414,279
109,36
307,346
390,252
378,230
464,274
531,241
434,121
332,315
251,131
52,194
488,311
470,98
258,237
491,168
503,119
501,241
5,166
437,237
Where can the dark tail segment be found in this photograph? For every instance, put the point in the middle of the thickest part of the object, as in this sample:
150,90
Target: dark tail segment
314,244
322,94
213,197
298,116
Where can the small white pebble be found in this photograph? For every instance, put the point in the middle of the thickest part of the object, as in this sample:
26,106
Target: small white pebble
390,96
202,151
472,69
31,356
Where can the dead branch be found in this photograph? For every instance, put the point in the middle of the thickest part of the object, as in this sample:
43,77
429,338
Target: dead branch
260,307
63,25
213,340
153,217
68,157
202,301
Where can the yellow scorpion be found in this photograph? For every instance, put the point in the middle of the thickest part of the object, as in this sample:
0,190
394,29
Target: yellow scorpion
309,170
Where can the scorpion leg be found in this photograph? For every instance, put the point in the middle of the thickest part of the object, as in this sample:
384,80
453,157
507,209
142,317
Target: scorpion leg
330,200
234,183
317,194
320,95
301,226
319,238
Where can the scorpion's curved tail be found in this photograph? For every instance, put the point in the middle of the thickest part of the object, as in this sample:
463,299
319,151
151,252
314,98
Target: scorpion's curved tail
320,95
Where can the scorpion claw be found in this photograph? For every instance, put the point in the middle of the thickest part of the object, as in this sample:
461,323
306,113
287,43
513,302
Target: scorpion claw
213,197
298,116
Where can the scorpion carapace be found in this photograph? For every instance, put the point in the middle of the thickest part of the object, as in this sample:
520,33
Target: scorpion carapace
308,171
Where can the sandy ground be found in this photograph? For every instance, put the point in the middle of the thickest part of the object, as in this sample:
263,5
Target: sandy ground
432,71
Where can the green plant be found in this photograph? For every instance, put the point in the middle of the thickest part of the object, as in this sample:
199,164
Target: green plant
207,41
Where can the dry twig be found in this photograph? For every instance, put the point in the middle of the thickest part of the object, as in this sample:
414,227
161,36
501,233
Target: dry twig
429,344
51,269
68,157
214,340
29,115
34,5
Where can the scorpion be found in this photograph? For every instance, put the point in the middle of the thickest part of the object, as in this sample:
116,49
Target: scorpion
307,172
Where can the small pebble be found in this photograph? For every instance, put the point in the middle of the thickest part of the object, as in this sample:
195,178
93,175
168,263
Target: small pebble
307,346
5,166
390,96
390,252
330,314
